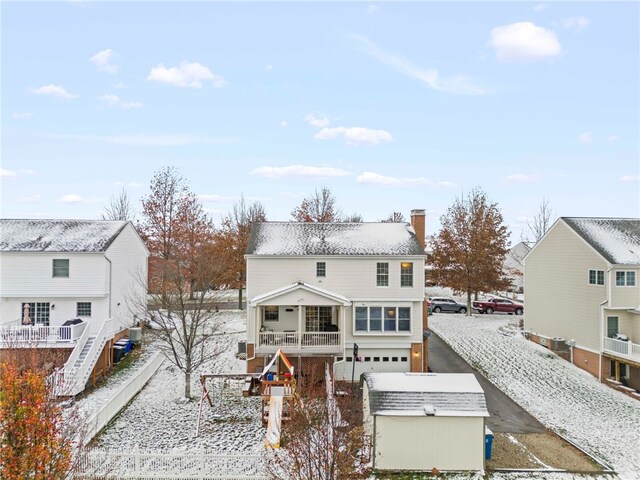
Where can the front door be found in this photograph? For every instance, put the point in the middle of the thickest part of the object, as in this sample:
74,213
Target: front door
612,326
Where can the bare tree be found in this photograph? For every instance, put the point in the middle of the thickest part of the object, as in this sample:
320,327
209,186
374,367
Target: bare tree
395,217
469,251
119,208
353,218
319,207
539,224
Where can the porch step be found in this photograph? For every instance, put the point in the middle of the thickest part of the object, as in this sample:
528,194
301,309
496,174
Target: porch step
85,351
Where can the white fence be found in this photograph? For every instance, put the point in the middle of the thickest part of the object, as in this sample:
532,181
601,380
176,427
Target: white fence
116,464
625,349
123,396
36,334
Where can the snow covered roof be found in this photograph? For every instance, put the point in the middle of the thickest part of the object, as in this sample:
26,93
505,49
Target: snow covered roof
294,238
616,239
74,236
419,394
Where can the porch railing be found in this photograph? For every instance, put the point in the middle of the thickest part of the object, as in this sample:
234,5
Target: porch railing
320,339
301,340
34,334
280,339
625,349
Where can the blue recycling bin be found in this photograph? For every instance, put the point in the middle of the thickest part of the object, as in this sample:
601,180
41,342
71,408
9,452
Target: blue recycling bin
488,443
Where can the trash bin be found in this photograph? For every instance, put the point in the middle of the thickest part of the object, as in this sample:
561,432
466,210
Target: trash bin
269,377
488,442
125,343
118,353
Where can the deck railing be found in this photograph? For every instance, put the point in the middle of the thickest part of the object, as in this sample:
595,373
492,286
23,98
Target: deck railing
624,349
301,340
34,334
281,339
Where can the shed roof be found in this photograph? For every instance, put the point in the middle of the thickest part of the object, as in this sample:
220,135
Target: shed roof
73,236
616,239
296,238
409,394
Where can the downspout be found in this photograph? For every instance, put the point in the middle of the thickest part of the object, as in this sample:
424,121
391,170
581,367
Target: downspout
110,282
601,340
373,441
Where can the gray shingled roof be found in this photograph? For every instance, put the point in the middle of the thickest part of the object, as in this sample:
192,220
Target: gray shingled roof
616,239
74,236
293,238
447,394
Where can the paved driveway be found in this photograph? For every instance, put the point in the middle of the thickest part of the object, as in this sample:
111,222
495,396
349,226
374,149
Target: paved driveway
506,415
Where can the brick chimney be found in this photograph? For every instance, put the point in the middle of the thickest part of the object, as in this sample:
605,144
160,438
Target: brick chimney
418,224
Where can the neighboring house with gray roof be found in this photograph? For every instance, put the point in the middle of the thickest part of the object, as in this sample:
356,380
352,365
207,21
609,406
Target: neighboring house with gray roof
582,284
52,271
418,422
315,290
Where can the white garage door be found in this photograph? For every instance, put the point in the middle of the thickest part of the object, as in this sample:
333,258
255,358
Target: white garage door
372,360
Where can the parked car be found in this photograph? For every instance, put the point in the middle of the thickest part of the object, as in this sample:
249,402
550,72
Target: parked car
492,305
444,304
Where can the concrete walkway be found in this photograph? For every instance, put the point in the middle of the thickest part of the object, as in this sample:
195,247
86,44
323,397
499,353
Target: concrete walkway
506,415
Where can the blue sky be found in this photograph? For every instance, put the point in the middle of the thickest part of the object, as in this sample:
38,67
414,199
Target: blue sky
393,106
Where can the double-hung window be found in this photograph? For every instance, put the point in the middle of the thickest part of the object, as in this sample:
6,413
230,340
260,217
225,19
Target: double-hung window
406,274
60,267
383,319
321,269
382,274
626,279
596,277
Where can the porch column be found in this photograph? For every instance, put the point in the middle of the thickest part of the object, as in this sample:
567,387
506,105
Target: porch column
299,326
617,367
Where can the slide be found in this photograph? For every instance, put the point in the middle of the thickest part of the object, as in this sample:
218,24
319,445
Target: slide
272,440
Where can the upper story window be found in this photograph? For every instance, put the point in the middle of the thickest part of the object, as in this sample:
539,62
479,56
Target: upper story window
626,279
382,274
60,267
385,319
596,277
83,309
321,269
406,274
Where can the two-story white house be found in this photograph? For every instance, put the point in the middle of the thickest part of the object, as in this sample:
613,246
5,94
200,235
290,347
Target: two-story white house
53,271
316,290
582,284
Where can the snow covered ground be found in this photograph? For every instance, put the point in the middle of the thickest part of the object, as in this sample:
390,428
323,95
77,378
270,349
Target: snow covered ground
159,417
602,421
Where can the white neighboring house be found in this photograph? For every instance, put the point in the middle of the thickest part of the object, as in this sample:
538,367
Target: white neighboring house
52,271
514,265
582,284
315,290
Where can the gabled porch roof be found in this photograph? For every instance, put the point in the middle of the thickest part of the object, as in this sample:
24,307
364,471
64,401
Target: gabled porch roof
314,292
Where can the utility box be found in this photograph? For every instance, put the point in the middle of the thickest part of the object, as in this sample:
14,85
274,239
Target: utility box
557,344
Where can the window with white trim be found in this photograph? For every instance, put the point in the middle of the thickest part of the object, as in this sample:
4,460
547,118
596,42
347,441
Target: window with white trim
383,319
37,312
382,274
406,274
321,269
83,309
60,267
626,279
271,313
596,277
317,319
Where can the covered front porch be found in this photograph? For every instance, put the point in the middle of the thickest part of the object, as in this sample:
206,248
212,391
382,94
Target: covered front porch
300,319
622,334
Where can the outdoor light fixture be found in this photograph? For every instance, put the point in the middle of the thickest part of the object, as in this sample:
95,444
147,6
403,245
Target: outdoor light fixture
53,306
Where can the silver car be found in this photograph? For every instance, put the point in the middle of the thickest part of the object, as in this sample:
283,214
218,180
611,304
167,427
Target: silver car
445,304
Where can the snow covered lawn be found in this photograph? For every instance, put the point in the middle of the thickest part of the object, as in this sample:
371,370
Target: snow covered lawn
602,421
159,418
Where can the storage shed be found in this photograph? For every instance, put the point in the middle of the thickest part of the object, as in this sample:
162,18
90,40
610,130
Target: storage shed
419,421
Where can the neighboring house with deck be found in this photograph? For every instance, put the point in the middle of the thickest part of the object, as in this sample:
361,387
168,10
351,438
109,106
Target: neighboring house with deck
315,290
582,285
51,271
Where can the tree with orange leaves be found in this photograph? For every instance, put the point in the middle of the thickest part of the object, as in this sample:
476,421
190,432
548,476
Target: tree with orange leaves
32,443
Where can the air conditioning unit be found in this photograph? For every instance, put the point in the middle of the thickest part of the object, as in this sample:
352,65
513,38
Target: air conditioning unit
135,335
557,344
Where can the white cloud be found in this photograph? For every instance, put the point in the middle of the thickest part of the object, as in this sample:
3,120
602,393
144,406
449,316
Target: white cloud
130,184
23,115
575,23
218,198
522,178
613,138
373,9
377,179
355,135
118,85
585,137
523,42
317,120
458,84
186,75
268,67
523,219
27,171
30,199
630,178
55,90
299,171
6,173
284,123
539,7
115,101
144,140
104,59
73,198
